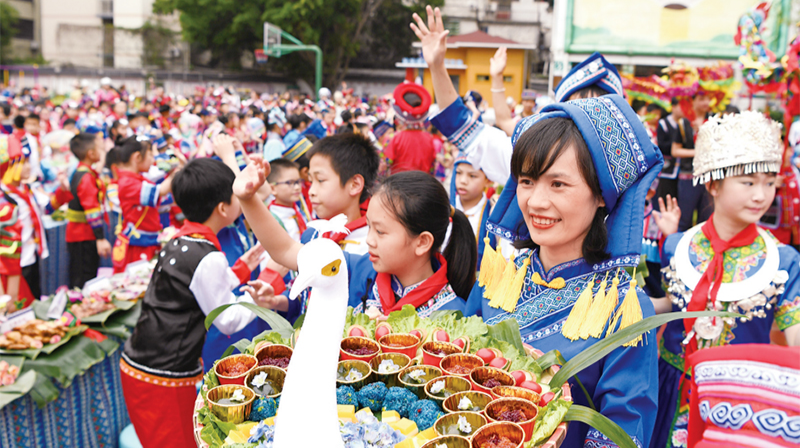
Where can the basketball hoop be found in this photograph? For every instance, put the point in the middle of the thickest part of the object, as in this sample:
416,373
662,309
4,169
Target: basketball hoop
272,38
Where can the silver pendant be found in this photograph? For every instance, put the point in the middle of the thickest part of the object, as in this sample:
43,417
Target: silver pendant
708,328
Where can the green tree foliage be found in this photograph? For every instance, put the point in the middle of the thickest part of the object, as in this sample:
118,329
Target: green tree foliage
373,31
8,20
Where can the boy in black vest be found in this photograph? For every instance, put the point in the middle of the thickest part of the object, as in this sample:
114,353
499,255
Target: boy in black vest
161,361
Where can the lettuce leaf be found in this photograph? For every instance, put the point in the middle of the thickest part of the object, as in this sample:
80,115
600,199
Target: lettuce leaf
359,319
548,420
214,430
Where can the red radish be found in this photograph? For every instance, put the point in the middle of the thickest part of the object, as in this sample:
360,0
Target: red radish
441,336
546,398
486,355
499,362
357,330
460,342
382,330
519,377
416,333
530,385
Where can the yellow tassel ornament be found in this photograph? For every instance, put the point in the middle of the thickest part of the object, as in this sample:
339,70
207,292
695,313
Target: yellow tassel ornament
576,318
511,293
628,313
602,310
502,282
591,315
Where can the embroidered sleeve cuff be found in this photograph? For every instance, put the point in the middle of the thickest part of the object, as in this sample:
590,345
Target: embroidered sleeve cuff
149,195
596,439
457,123
242,271
788,314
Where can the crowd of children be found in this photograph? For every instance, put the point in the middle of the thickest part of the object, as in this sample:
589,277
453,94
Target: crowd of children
587,189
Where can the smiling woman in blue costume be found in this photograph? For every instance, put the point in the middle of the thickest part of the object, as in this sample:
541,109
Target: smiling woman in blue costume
575,205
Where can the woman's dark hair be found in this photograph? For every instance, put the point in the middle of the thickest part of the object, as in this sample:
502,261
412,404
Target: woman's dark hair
592,91
421,204
537,150
126,148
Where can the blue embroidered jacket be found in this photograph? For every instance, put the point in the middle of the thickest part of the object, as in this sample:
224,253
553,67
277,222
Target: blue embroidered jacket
623,385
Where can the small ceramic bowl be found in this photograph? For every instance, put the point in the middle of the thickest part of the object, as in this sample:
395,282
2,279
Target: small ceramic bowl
460,364
346,366
249,361
357,342
406,344
511,431
478,399
431,352
482,374
273,351
230,413
431,372
390,378
275,375
495,408
453,384
448,441
447,425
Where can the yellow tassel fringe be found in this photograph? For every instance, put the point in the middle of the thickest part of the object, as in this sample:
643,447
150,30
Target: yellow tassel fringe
486,262
576,318
628,313
603,309
589,322
514,289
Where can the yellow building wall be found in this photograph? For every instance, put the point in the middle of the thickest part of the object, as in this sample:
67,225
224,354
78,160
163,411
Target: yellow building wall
476,76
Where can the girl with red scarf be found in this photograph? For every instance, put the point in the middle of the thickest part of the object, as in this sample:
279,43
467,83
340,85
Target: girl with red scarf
726,263
408,263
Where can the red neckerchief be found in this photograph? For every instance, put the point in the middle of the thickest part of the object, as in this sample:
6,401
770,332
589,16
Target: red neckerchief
298,215
417,297
353,225
195,229
37,230
708,286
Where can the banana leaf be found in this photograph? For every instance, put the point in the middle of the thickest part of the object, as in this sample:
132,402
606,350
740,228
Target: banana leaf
44,391
120,331
275,321
608,344
40,307
33,353
22,386
600,422
127,318
71,360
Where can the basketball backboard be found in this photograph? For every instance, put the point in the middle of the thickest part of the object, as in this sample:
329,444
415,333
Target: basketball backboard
272,37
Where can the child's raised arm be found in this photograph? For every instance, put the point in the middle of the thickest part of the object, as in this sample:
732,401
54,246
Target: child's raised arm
280,246
434,46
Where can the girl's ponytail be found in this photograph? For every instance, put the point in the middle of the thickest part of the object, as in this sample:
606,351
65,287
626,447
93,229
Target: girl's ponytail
421,204
461,254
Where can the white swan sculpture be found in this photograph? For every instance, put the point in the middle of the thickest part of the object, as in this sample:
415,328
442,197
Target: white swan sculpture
307,415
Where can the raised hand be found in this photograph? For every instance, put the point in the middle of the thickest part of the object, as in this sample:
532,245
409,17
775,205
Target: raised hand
224,145
253,256
251,179
433,36
667,220
497,64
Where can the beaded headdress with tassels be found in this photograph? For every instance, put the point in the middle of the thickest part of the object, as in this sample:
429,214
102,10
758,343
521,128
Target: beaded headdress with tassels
737,144
626,162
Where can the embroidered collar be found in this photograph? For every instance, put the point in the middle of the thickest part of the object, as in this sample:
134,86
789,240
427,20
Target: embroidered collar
733,291
567,270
